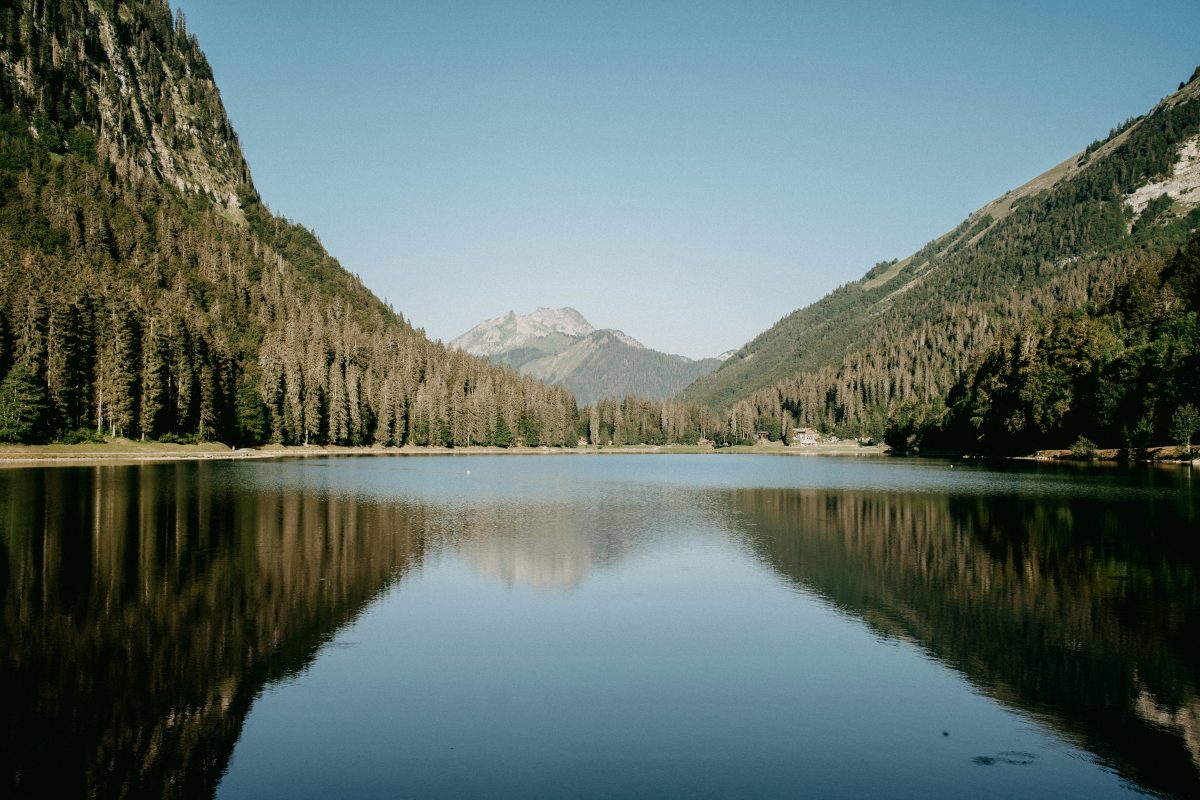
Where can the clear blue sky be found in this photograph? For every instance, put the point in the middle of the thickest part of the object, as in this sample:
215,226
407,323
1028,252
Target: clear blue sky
687,172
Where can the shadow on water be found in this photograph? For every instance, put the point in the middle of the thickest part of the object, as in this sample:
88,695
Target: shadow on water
146,607
1084,613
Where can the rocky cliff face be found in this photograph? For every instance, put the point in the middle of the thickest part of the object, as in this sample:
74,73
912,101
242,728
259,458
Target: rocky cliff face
1180,187
133,75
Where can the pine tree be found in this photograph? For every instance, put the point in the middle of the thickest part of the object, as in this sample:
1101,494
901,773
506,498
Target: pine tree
501,433
22,406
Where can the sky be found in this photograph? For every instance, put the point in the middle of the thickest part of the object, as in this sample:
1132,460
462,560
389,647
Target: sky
686,172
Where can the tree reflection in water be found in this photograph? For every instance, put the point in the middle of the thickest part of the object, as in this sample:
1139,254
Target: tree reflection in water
145,608
1083,612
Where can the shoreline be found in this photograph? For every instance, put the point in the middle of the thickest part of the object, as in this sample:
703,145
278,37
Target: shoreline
134,452
1158,454
131,452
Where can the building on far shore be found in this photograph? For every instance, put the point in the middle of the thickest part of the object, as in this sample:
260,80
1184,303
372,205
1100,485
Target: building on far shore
805,437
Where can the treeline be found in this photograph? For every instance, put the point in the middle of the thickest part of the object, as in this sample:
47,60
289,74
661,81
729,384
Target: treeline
1122,374
138,304
640,421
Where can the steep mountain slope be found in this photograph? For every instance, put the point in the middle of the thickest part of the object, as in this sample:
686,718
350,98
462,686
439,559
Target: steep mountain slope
147,291
908,329
560,346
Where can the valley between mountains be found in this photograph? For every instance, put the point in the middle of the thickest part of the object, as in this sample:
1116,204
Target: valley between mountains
149,293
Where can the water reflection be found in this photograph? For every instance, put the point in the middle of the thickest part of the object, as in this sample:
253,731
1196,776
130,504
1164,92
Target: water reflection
551,547
545,548
145,608
1084,613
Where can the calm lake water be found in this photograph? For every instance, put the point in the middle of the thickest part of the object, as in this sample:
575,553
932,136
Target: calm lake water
599,626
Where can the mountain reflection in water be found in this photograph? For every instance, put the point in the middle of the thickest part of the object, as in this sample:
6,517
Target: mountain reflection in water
146,607
1084,613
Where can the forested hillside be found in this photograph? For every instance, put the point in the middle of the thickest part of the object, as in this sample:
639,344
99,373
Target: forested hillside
909,329
1122,374
147,290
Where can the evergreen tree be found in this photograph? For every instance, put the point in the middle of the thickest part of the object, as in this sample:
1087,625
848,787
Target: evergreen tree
501,433
22,406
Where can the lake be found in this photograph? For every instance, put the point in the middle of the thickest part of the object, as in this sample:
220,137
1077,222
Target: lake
599,626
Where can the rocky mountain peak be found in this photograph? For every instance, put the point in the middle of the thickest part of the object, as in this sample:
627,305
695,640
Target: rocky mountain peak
558,345
514,330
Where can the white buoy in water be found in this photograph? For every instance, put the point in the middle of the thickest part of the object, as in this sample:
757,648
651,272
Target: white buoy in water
468,472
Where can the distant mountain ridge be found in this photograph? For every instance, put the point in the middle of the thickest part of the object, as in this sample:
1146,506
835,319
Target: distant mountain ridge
558,345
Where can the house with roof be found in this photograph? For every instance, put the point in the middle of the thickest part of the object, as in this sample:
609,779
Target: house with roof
805,437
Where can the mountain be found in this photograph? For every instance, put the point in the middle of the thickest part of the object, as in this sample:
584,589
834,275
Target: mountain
910,328
539,331
146,290
560,346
